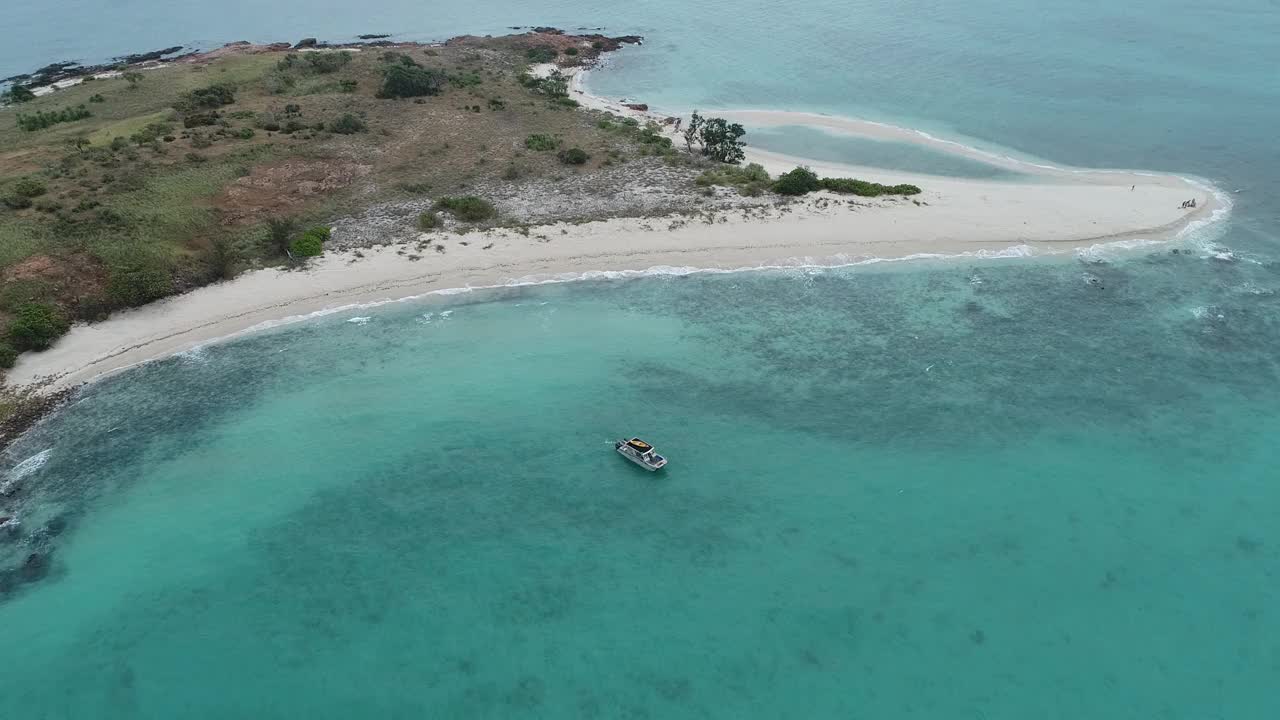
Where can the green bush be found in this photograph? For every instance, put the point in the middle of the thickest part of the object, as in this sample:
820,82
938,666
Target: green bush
851,186
138,278
28,188
40,119
751,180
243,133
320,62
468,208
541,142
310,243
348,124
541,54
571,51
148,134
797,182
206,98
348,86
36,325
428,221
19,94
402,81
574,156
96,98
467,79
8,355
15,202
201,119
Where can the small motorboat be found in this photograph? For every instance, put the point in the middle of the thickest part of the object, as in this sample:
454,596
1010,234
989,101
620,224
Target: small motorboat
640,453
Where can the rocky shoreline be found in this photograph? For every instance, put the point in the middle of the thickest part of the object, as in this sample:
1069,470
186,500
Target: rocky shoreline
70,70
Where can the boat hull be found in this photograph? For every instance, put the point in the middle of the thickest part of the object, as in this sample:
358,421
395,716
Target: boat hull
651,467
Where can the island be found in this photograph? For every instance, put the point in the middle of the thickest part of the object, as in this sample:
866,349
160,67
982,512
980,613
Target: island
165,202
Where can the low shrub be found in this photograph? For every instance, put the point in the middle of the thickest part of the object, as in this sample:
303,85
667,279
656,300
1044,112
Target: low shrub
148,134
348,124
8,355
571,51
36,325
19,94
797,182
97,98
201,119
573,156
310,243
863,188
206,98
402,81
751,180
468,208
541,142
428,221
28,188
41,119
466,79
242,133
136,277
322,63
541,54
348,86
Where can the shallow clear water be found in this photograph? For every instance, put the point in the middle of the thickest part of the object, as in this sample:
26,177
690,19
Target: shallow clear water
803,141
893,492
998,489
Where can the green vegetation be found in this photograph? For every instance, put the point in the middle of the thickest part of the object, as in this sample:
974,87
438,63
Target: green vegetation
404,81
8,355
133,78
40,119
310,243
279,233
36,325
799,181
573,156
802,180
206,98
18,94
555,85
201,169
751,180
315,62
717,138
467,208
541,54
137,275
347,124
850,186
541,143
20,193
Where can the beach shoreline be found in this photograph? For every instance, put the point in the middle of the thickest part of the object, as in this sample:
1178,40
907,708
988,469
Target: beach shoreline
1061,211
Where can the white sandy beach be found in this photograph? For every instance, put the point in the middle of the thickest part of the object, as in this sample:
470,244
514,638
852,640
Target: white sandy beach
1059,210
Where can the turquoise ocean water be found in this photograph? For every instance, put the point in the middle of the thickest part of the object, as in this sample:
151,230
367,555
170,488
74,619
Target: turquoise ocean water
947,489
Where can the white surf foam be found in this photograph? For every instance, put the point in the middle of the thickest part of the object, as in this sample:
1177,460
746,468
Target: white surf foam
27,467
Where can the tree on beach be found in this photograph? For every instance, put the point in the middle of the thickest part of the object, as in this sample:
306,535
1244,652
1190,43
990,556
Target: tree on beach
718,139
279,233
